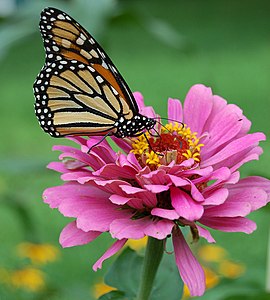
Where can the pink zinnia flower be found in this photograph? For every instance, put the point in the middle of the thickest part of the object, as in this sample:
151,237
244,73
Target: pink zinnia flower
185,175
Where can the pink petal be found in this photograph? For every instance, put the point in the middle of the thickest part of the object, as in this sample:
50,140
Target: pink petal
129,228
138,203
219,104
156,188
178,169
100,217
119,244
229,209
205,172
221,111
80,176
175,112
252,155
237,224
256,197
148,111
57,166
97,146
138,228
221,174
197,107
54,196
154,177
159,229
217,197
113,171
225,128
72,236
190,270
71,152
75,206
169,214
119,200
148,198
74,165
245,127
131,202
235,147
124,144
195,193
254,181
131,190
180,182
112,186
139,99
205,234
185,206
131,158
78,139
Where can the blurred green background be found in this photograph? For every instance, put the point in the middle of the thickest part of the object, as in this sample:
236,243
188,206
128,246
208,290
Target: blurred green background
161,48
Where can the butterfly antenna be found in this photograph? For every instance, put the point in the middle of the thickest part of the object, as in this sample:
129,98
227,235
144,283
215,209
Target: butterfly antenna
167,119
161,126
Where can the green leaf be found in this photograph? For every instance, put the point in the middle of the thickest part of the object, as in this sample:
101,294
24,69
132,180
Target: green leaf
261,296
125,275
114,295
125,272
167,284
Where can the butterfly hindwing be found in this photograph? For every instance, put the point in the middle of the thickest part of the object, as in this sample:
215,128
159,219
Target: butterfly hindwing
72,98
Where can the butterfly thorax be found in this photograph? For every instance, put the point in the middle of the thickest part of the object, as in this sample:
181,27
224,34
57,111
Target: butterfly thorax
133,127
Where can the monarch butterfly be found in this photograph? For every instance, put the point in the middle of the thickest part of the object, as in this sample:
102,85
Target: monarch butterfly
79,90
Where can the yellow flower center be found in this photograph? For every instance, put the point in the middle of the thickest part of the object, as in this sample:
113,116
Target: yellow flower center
176,142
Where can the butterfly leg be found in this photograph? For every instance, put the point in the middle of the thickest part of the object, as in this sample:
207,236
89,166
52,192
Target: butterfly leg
154,135
159,154
99,142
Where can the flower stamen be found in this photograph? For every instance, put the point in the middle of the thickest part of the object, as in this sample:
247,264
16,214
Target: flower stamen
175,142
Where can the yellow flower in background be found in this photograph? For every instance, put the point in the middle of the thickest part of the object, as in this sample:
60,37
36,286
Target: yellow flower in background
101,288
212,253
29,278
4,276
38,253
231,269
137,244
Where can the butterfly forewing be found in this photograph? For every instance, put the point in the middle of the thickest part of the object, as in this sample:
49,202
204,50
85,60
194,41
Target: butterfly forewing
79,91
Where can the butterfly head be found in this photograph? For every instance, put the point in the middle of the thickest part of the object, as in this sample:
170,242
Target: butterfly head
133,127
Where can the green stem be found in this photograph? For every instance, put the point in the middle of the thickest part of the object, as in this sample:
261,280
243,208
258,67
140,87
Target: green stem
268,266
152,259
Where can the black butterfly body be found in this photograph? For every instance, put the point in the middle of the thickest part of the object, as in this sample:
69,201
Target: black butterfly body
79,90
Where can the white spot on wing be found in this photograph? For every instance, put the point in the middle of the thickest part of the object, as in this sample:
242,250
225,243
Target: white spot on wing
55,48
94,53
114,90
82,36
99,79
79,41
104,65
61,17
